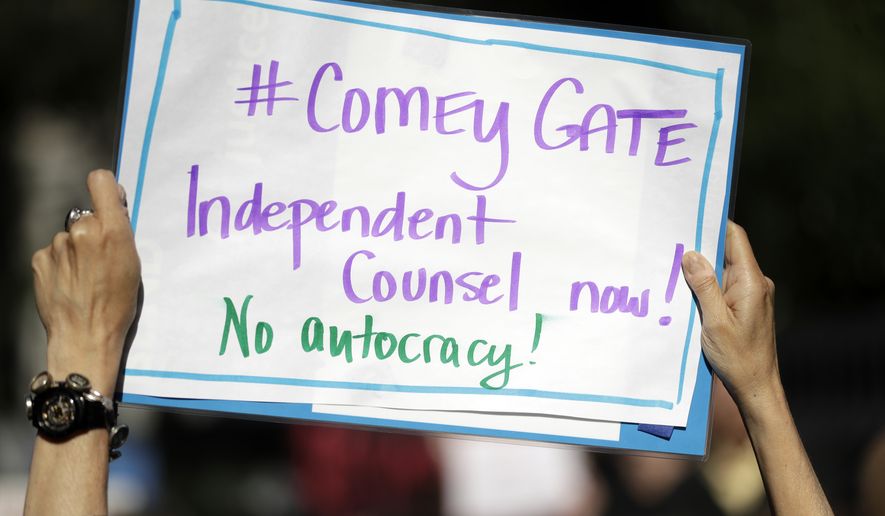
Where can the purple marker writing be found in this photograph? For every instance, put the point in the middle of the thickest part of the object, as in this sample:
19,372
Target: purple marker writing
357,108
603,119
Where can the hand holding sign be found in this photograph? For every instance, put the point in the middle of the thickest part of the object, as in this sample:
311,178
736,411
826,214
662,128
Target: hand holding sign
738,334
86,284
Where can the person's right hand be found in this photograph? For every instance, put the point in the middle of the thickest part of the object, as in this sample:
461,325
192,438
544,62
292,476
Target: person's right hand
738,335
86,285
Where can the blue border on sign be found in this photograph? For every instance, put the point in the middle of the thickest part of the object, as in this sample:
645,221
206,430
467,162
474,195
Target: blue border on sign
690,441
174,16
717,77
673,41
390,387
135,10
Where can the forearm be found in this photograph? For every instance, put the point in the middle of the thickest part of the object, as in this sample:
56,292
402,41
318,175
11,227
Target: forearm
69,477
790,480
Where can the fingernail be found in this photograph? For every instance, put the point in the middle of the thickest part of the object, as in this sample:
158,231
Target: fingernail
693,263
123,196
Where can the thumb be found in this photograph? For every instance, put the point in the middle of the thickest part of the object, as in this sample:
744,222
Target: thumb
701,277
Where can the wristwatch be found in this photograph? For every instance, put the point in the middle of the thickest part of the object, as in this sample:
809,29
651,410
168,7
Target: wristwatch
60,410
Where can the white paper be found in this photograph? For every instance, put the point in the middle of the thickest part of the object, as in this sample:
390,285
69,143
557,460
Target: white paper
613,219
527,423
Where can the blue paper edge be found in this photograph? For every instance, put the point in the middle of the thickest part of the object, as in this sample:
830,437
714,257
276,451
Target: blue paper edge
691,440
565,27
130,58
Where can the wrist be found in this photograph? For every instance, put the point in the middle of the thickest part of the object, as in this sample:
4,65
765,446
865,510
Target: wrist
763,403
95,356
62,409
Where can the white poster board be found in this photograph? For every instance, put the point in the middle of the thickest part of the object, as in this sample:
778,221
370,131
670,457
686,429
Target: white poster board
371,207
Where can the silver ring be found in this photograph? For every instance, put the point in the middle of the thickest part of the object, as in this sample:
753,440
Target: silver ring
74,215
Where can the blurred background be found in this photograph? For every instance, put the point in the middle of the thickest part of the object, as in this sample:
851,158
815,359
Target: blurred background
810,193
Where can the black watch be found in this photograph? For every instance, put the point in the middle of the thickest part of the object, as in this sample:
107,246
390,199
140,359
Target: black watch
60,410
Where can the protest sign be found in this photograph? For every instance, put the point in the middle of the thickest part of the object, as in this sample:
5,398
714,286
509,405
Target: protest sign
358,205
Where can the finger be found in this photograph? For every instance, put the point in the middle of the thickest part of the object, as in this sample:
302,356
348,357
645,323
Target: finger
60,250
59,247
41,261
42,267
738,252
84,226
105,196
701,278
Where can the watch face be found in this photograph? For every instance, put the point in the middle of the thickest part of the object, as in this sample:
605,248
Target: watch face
59,412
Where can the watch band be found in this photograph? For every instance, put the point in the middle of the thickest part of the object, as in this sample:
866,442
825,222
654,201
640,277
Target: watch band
95,415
